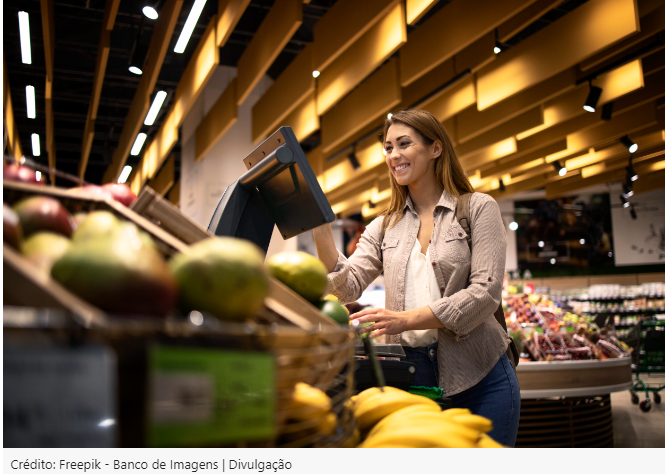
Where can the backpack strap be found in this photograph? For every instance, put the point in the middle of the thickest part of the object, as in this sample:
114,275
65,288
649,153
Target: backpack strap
462,215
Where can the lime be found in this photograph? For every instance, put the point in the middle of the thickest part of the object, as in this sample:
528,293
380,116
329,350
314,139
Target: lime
300,271
336,311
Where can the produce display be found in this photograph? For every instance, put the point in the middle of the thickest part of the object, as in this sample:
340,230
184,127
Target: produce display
300,271
393,418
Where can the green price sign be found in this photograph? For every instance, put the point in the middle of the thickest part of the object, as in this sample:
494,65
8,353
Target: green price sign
208,397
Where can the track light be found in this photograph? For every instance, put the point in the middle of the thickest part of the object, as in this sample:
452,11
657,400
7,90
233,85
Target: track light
315,74
624,201
150,12
371,205
137,58
354,161
606,114
502,187
592,99
498,47
562,170
389,116
628,143
513,226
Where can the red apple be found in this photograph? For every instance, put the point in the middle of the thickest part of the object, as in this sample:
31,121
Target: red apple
121,192
41,213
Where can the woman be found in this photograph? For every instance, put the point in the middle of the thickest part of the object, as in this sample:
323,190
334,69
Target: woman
440,296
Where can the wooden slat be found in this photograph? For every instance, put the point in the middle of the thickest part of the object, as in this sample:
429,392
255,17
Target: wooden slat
524,18
506,165
343,25
221,116
452,101
587,29
284,95
103,51
620,81
339,179
371,99
164,180
645,142
48,34
650,182
159,44
283,20
416,9
361,59
229,13
13,143
451,29
304,120
174,194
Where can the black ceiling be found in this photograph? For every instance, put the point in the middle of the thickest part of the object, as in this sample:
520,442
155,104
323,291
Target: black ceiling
77,33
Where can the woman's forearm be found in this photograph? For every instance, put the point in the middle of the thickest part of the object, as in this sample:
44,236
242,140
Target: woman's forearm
422,318
325,246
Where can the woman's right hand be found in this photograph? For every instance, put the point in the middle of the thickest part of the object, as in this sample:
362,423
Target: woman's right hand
325,246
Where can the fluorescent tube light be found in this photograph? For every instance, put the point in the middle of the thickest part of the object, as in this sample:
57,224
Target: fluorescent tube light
154,108
35,145
24,32
138,144
190,24
30,101
126,171
150,13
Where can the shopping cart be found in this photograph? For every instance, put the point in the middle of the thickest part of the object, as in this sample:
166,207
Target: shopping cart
650,360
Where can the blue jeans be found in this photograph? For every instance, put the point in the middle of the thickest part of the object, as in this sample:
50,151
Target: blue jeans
496,397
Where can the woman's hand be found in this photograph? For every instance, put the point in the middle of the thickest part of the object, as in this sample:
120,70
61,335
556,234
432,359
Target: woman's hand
385,321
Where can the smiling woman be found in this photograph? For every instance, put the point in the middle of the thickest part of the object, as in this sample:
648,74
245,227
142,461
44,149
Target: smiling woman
440,295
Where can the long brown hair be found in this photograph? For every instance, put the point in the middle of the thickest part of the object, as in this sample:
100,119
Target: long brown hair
447,168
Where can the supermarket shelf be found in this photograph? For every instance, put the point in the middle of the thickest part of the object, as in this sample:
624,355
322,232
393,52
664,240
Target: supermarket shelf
627,311
576,392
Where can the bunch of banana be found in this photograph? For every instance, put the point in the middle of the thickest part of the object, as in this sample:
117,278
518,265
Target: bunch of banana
310,414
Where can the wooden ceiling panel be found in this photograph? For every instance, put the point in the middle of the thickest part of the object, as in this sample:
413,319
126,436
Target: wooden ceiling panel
221,116
304,119
510,165
524,18
163,181
556,48
453,100
229,13
465,22
416,9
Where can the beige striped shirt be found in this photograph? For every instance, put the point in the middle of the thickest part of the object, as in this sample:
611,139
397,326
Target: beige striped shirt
471,341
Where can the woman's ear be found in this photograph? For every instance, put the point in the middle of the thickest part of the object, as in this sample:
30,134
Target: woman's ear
437,149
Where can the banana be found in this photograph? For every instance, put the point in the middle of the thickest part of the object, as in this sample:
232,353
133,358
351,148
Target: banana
487,442
452,412
328,425
374,409
352,440
370,392
427,421
431,435
475,422
404,413
309,403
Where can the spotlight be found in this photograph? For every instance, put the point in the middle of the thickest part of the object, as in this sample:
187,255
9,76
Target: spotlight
624,201
627,189
315,74
502,187
582,241
497,48
541,244
389,116
606,114
592,99
553,261
609,254
137,58
150,12
513,225
628,143
633,214
354,161
560,169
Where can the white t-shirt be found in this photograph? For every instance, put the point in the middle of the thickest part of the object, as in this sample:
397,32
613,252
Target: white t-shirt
420,289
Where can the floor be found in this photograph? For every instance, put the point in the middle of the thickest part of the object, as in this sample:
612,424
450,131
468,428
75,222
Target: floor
632,427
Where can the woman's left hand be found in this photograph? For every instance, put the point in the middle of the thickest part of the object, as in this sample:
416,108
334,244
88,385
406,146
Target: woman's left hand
385,321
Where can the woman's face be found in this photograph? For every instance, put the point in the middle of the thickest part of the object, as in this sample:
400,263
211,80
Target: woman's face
407,157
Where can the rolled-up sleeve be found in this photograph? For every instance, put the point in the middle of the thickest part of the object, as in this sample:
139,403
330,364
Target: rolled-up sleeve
351,276
466,309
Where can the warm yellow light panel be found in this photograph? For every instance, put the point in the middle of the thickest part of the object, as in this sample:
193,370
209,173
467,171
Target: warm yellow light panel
292,86
416,9
620,81
586,30
276,30
524,18
450,30
221,116
593,170
372,99
361,59
560,109
229,13
303,120
490,153
343,25
453,100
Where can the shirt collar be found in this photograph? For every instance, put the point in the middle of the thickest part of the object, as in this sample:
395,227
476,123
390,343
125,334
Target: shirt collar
446,200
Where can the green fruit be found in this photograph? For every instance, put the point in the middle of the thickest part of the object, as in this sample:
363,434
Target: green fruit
11,227
44,213
364,325
300,271
224,276
43,249
336,311
119,273
95,224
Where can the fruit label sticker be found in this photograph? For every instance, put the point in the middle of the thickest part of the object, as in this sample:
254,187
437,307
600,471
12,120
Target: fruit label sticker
208,397
59,397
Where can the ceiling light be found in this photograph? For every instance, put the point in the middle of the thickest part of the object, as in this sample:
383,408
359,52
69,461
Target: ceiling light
155,107
502,187
628,143
389,116
606,114
24,32
609,254
190,24
315,74
592,99
497,49
513,225
30,101
126,171
150,12
38,175
582,241
354,161
135,70
562,170
552,261
138,144
137,57
35,145
541,244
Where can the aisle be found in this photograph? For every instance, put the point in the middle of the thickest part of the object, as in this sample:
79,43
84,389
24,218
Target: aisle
634,428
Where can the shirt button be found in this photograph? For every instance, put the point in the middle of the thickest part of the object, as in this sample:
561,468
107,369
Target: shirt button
434,264
431,352
430,241
489,279
442,289
460,234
